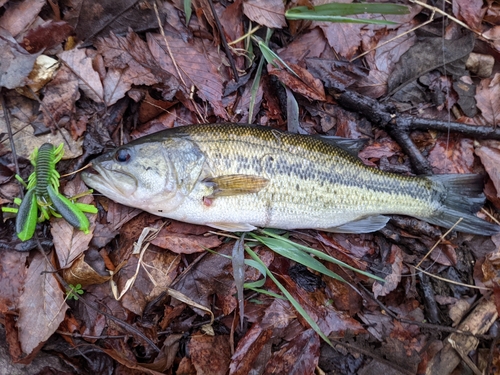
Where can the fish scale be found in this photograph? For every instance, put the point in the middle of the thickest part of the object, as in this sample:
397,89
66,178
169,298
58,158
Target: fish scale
316,180
238,177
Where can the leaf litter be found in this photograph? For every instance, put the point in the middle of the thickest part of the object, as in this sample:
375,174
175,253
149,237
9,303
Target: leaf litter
107,88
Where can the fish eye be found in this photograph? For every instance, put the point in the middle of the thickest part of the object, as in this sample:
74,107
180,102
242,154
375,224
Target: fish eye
122,155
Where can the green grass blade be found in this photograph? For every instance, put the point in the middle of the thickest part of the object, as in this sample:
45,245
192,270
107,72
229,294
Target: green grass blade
290,298
322,255
335,12
290,251
187,10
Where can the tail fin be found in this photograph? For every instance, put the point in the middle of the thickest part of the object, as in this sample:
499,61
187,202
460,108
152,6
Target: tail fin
464,197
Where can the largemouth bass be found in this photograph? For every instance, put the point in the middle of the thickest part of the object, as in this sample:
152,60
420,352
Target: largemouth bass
239,177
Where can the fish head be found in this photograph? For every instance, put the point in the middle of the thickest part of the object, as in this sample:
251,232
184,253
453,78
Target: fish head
145,175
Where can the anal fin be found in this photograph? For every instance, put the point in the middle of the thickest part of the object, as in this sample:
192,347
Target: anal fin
233,227
235,184
365,225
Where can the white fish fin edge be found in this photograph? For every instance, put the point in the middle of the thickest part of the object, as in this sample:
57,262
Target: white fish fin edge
233,227
366,225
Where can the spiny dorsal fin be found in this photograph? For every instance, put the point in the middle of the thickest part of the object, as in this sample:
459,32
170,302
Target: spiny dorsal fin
352,146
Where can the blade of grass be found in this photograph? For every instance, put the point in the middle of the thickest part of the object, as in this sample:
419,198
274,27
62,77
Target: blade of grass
290,298
187,10
271,56
333,12
319,254
288,250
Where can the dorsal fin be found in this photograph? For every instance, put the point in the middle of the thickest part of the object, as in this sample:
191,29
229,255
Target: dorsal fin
352,146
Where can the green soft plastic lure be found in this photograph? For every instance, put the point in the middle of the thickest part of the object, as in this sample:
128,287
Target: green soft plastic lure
43,200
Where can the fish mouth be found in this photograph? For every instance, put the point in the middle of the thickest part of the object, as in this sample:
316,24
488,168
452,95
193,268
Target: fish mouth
109,181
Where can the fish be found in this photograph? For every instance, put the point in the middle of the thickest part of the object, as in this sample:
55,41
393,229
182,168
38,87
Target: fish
237,178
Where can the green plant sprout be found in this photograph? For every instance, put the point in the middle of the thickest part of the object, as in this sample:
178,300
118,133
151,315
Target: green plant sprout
43,200
74,291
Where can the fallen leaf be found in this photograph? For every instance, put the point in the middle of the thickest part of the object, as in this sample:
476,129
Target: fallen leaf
157,271
248,349
200,65
395,260
185,243
115,86
41,306
452,155
59,97
211,275
48,35
488,99
344,38
490,157
20,15
303,82
210,354
92,19
82,273
472,12
17,63
88,79
270,13
299,356
12,278
426,55
307,45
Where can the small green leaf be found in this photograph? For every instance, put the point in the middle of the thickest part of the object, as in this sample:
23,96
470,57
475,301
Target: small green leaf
74,291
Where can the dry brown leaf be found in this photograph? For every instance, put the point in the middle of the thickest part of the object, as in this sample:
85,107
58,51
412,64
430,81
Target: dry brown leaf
210,354
12,277
299,356
270,13
131,55
488,99
59,98
391,280
344,38
20,15
81,65
303,83
115,86
16,64
306,45
69,241
452,155
200,63
41,306
157,271
471,12
185,243
248,349
490,157
82,273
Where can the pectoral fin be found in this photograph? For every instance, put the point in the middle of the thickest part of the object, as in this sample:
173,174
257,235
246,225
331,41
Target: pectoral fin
366,225
233,227
235,184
